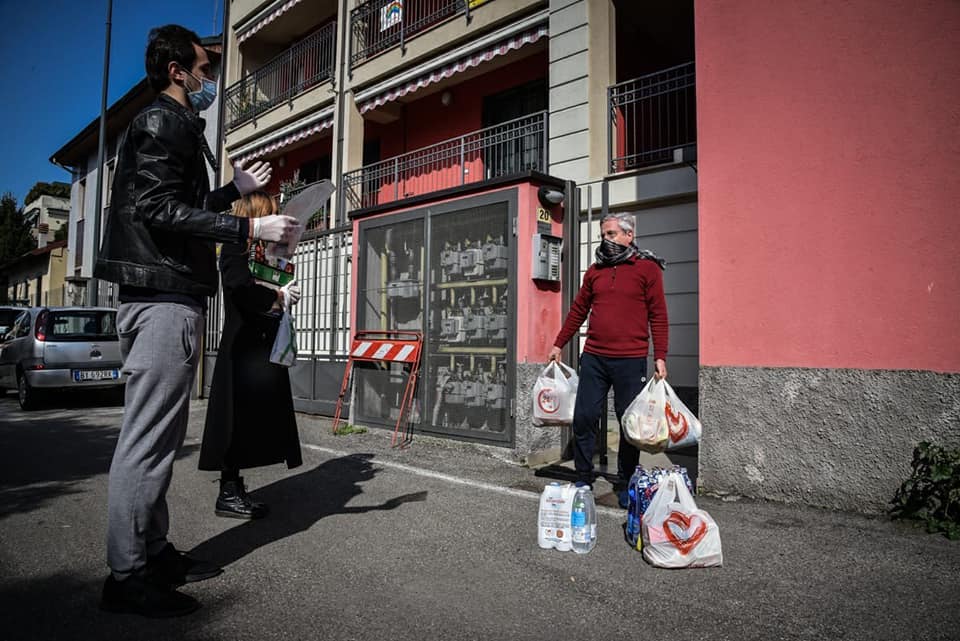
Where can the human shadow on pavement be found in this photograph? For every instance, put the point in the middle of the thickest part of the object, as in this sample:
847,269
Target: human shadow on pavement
296,503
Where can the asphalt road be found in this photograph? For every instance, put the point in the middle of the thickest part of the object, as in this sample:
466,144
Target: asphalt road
436,542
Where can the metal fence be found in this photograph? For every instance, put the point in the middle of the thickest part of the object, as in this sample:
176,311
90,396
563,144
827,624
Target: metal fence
378,25
511,147
302,66
322,317
651,118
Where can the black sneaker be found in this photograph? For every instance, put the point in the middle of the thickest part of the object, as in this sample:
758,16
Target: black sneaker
136,595
174,568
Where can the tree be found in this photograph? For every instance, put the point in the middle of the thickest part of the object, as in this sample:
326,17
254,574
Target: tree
56,188
15,237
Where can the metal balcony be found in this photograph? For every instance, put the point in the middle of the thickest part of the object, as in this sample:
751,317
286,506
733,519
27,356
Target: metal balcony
653,119
379,25
299,68
511,147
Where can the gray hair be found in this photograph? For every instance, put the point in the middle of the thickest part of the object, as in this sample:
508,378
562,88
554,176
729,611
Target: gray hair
623,219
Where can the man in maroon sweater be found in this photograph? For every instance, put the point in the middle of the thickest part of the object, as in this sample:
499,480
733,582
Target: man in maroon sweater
623,294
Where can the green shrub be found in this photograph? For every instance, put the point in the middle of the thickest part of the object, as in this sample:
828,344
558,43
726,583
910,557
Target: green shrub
931,495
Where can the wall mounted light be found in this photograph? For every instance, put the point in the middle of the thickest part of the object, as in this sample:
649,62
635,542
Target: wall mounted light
549,196
446,98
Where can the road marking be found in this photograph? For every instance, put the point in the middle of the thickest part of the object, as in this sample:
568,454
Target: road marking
490,487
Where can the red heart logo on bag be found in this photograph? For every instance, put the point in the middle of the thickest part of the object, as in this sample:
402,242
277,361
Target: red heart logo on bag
684,545
677,422
547,401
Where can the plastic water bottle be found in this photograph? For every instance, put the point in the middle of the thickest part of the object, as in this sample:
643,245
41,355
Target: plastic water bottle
633,512
583,521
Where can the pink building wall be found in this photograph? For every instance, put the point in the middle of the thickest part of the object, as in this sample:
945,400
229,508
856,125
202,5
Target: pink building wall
829,184
426,121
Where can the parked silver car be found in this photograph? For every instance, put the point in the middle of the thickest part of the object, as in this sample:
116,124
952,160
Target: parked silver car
58,348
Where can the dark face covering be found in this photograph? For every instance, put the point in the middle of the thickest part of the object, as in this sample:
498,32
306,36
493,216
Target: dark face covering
611,253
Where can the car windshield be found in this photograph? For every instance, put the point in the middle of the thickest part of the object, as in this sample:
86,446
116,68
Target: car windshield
83,325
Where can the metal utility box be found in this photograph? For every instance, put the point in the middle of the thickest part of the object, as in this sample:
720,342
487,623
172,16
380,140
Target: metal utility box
460,271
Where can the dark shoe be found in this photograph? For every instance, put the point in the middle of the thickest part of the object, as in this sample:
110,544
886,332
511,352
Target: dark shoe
623,499
136,595
174,568
234,502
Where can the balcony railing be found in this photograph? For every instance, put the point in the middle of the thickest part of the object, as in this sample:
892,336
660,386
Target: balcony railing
652,118
302,66
378,25
510,147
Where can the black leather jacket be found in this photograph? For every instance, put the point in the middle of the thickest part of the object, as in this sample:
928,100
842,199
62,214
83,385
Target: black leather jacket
162,229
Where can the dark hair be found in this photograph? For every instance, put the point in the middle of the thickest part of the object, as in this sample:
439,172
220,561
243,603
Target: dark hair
166,44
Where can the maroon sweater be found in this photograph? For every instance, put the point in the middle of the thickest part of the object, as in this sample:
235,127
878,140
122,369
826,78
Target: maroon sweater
626,304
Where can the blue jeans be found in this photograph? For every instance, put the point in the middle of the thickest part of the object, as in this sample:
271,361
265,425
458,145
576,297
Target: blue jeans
627,376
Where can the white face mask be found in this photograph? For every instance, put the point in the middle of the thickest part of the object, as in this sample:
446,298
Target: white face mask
203,97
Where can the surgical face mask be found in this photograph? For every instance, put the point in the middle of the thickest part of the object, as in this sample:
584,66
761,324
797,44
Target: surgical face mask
203,97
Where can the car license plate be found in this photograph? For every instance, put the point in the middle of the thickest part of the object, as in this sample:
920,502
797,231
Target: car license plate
95,374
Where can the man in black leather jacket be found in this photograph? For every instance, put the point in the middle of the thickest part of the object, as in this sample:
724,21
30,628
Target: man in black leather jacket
159,245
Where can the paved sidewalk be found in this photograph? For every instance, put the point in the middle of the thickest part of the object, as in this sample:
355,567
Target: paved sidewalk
437,542
790,572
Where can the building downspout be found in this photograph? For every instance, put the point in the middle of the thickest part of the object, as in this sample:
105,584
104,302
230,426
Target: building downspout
344,25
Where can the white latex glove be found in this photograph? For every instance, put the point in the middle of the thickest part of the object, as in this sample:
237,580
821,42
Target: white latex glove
274,229
291,294
252,179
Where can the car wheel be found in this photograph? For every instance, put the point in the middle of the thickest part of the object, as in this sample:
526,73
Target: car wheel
26,395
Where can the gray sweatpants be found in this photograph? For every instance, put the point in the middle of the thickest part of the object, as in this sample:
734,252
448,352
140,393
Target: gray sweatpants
160,346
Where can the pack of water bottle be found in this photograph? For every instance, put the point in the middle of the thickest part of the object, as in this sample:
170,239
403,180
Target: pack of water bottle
643,485
567,519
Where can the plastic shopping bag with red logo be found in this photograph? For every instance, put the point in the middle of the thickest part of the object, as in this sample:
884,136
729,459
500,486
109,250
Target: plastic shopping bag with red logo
644,422
554,395
676,534
683,428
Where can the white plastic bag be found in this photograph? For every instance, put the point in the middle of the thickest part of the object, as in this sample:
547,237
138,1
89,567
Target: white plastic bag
683,427
284,350
645,421
676,534
554,395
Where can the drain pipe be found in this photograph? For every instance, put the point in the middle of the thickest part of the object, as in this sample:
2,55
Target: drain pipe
338,171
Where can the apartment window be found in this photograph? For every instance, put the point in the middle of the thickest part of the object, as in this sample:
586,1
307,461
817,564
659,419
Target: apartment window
108,182
78,261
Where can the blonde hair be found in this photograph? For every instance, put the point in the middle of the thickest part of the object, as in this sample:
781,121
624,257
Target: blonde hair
255,205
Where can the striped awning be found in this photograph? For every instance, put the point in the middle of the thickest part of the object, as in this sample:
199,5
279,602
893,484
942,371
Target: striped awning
499,49
271,14
276,144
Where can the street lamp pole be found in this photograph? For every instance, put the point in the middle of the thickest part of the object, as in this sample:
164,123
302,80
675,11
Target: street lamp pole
93,297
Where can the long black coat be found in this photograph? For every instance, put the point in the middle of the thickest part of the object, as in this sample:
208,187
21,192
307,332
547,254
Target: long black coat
250,419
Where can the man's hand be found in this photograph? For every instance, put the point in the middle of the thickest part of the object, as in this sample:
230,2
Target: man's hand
274,229
289,295
554,354
660,367
252,179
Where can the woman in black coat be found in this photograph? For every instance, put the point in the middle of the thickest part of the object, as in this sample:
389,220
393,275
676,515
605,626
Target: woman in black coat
250,419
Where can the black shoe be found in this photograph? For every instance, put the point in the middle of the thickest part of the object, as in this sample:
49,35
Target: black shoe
174,568
234,502
136,595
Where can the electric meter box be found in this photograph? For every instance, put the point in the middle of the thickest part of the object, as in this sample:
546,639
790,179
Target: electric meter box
545,257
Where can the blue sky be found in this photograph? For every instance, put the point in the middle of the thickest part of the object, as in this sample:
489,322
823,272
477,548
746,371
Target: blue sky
52,56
